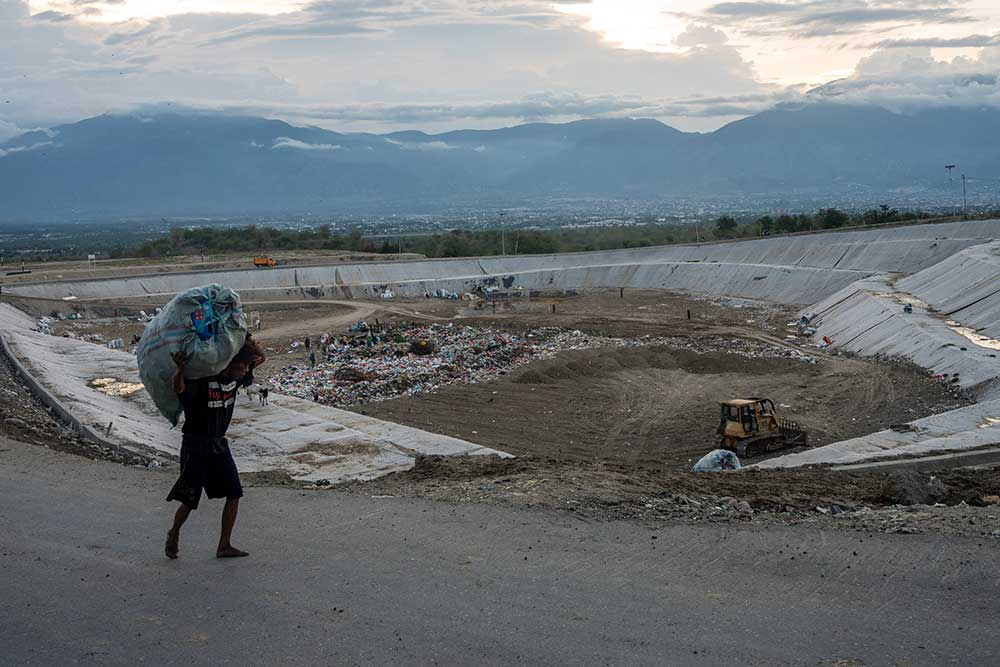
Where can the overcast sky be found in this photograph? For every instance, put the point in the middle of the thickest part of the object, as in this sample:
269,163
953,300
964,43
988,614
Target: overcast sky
443,64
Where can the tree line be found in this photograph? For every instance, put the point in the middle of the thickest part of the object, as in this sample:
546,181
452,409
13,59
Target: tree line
727,227
254,239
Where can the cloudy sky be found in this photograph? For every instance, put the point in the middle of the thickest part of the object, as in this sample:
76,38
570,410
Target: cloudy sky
441,64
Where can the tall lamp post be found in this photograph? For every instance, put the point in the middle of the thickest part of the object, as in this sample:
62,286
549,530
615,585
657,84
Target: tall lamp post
503,234
950,167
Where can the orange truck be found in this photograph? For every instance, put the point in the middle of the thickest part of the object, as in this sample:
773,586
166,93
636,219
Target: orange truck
264,262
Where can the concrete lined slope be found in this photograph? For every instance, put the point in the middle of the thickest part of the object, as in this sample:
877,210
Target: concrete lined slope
307,440
898,249
781,284
966,428
787,285
867,318
964,287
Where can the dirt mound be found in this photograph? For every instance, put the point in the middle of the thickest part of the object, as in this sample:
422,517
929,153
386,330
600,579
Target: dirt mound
607,490
913,488
660,405
531,376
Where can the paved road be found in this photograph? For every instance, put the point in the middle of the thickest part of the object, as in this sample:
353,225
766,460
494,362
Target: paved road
338,579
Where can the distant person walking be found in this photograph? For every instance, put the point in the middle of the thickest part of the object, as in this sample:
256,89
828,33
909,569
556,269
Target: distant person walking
312,358
206,462
308,343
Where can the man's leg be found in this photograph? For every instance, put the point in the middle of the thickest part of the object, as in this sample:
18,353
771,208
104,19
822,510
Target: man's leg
173,535
229,512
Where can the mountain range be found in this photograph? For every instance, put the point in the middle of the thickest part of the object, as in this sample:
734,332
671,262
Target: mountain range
198,163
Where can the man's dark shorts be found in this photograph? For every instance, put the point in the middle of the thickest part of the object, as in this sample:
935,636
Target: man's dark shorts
206,463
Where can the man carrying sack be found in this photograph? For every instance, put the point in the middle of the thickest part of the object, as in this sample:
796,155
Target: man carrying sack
206,462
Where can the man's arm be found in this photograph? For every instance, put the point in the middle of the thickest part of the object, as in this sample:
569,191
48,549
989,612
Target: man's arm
259,357
181,360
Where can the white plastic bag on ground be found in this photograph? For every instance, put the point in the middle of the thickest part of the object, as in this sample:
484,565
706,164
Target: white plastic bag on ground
208,324
717,460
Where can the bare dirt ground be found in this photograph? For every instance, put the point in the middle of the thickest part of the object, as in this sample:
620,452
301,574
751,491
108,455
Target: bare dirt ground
23,417
652,405
960,502
611,433
117,268
659,405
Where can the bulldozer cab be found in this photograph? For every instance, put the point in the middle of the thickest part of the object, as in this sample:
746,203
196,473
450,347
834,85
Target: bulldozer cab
742,417
751,426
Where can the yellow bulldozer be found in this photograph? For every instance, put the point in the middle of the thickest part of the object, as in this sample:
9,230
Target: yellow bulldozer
752,427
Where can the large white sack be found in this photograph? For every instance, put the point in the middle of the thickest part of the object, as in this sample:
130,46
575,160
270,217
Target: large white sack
208,324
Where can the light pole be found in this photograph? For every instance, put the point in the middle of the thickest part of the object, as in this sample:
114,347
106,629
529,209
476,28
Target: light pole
965,197
503,235
950,167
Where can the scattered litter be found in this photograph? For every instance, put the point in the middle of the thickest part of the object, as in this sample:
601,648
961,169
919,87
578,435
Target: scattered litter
114,387
409,359
988,422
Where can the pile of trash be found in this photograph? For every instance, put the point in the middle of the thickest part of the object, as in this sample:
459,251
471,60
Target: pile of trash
413,359
418,358
45,324
441,294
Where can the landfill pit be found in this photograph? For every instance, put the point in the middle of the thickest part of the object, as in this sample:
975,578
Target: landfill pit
605,377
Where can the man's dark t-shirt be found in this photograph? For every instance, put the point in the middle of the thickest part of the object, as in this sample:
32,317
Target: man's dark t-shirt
206,462
208,406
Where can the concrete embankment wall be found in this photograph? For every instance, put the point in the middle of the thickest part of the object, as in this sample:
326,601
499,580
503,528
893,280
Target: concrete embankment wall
39,390
953,327
867,318
964,288
795,270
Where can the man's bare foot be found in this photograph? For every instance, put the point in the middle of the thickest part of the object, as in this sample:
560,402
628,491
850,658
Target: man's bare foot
230,552
170,548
